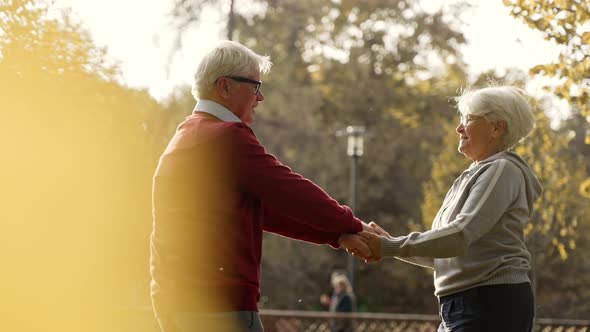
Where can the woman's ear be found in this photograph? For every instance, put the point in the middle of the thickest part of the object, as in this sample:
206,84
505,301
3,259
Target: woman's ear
500,128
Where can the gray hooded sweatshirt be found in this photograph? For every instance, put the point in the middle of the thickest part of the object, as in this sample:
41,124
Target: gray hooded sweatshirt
477,236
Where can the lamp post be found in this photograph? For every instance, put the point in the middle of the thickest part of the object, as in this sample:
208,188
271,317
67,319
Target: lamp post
354,150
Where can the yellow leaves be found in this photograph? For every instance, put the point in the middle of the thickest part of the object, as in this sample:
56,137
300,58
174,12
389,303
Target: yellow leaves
528,229
537,168
520,149
541,24
327,89
548,212
581,67
585,188
316,75
572,245
558,212
550,69
409,120
563,22
291,153
424,86
562,92
537,70
562,251
563,232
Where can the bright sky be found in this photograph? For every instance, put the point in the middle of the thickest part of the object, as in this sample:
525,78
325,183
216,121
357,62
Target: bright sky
138,34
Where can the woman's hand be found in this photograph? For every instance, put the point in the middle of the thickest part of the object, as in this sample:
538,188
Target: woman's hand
379,230
373,241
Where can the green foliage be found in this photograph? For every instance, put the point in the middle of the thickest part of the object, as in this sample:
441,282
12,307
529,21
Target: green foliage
558,232
562,156
561,207
564,22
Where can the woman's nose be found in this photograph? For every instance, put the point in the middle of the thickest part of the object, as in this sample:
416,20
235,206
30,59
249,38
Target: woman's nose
460,128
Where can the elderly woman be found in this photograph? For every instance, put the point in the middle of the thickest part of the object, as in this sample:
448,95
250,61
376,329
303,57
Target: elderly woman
343,300
476,244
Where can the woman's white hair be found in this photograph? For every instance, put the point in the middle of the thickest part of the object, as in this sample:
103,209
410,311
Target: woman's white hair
342,280
228,58
500,103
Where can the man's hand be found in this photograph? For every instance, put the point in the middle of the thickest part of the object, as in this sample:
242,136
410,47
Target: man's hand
355,245
373,241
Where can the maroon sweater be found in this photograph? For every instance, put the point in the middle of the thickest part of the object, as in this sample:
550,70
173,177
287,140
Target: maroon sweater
215,191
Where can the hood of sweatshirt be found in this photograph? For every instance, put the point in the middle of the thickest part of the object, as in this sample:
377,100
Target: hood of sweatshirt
533,186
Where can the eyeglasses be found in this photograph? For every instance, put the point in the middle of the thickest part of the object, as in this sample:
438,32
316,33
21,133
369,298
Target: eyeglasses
247,80
465,119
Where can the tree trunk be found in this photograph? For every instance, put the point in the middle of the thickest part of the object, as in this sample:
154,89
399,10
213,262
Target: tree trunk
230,21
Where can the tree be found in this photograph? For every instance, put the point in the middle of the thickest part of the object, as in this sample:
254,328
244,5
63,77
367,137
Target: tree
564,22
188,12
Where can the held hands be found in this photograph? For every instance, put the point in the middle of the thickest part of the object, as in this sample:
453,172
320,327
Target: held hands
355,245
373,241
366,244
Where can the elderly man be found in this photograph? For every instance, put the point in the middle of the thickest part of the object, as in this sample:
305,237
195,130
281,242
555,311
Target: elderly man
215,191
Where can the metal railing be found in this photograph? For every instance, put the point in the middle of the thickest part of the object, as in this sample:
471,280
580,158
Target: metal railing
314,321
142,319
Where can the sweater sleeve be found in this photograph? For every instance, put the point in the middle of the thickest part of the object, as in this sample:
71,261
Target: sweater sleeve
290,194
420,261
280,224
489,197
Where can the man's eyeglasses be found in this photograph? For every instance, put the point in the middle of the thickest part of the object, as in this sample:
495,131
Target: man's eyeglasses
247,80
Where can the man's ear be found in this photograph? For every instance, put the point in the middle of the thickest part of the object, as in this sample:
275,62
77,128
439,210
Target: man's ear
222,87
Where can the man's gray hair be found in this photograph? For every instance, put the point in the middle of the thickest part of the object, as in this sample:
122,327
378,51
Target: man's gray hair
505,103
227,58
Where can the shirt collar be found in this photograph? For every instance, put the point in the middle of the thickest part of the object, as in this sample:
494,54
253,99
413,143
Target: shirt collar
215,109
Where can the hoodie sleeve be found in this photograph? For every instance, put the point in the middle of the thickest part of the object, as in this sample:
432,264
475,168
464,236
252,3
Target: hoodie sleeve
486,200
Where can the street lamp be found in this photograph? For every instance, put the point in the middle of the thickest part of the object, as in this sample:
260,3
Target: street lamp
354,150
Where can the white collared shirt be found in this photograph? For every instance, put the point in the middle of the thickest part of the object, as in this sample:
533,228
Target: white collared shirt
215,109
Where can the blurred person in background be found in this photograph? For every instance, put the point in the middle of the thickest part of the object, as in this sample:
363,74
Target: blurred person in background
342,300
476,245
215,190
326,298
